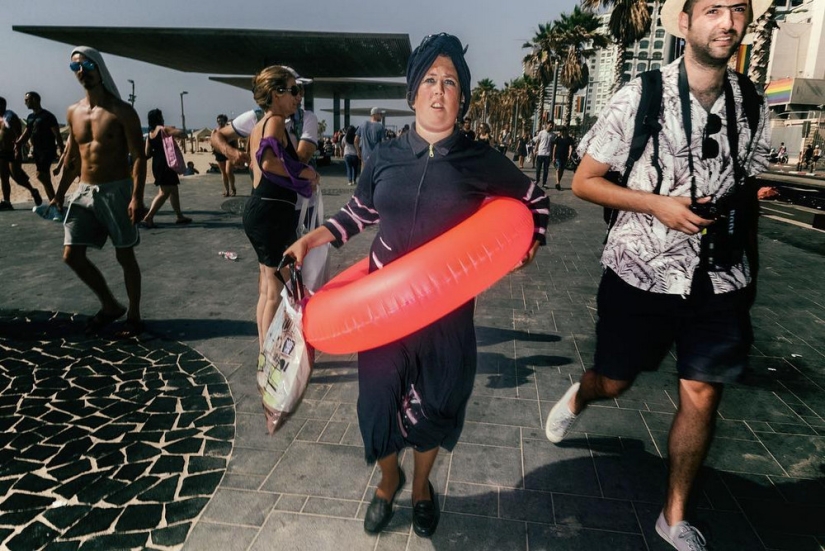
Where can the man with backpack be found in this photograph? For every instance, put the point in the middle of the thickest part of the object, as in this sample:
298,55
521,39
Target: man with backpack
680,258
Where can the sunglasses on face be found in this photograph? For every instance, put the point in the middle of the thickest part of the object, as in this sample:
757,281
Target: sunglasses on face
710,147
85,64
294,90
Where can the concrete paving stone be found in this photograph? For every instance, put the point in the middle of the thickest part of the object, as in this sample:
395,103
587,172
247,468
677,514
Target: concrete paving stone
491,435
242,481
487,465
506,411
311,431
801,491
611,421
526,505
311,532
331,507
291,503
630,473
250,461
566,468
250,431
353,437
800,456
240,507
333,432
739,404
392,541
592,512
207,535
472,499
573,538
334,471
468,532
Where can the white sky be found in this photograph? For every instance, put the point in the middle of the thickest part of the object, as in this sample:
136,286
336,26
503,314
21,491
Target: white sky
494,31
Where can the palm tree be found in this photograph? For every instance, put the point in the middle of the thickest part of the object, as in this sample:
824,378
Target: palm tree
629,23
542,64
761,50
480,98
577,35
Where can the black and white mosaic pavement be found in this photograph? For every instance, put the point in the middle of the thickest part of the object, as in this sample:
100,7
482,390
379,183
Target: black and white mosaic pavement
105,444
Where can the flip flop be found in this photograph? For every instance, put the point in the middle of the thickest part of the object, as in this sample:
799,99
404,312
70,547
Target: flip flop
131,328
101,320
148,225
183,220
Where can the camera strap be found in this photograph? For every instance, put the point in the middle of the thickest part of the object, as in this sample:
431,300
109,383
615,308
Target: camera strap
731,129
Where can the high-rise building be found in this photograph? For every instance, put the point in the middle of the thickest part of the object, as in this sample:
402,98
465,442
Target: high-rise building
658,48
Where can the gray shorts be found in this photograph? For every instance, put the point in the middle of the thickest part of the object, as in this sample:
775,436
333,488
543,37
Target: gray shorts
100,211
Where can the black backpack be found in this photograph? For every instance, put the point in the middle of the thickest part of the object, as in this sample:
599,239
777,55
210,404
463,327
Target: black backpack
647,126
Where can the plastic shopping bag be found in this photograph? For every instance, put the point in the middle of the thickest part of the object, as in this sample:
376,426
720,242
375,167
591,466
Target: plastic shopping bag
315,269
286,365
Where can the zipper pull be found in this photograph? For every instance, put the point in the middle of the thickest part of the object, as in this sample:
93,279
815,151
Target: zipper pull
431,151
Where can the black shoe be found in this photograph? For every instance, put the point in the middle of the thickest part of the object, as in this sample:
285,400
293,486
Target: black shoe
558,187
36,196
379,512
426,514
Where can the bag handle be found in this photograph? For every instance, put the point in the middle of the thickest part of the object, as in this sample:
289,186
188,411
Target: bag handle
295,288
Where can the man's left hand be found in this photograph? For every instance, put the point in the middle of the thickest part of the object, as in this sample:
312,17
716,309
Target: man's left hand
136,209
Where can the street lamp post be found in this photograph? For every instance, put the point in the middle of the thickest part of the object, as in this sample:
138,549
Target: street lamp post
183,119
132,96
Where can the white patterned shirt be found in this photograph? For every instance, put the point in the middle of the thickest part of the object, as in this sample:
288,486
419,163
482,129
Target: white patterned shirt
640,249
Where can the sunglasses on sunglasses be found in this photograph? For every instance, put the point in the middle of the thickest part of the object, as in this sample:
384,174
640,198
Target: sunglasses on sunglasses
86,64
294,90
710,147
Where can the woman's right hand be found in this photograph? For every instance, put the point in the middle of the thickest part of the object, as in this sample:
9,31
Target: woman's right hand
317,237
298,250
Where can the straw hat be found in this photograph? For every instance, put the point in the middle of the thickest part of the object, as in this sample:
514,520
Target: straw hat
672,8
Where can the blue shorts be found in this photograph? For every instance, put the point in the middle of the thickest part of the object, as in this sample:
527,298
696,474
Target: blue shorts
636,329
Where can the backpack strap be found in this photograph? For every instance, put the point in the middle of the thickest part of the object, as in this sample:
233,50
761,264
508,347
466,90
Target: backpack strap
646,125
752,100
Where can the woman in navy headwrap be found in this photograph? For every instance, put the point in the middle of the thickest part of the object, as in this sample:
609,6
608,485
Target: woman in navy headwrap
414,391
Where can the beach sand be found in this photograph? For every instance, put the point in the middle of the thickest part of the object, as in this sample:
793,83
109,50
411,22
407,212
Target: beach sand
20,197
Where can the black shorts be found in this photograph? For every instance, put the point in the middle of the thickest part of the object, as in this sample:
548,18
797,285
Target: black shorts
270,226
636,329
43,161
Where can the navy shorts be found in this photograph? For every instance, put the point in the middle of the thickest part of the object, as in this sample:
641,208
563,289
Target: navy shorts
636,329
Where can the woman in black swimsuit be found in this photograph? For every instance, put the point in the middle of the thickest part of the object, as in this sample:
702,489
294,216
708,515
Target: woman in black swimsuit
278,177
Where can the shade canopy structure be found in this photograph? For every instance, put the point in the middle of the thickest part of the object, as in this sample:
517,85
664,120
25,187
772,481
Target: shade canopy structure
349,88
337,61
244,51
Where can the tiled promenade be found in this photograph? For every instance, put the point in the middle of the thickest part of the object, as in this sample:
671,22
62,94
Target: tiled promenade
124,444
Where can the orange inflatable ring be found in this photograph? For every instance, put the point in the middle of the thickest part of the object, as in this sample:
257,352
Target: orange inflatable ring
358,310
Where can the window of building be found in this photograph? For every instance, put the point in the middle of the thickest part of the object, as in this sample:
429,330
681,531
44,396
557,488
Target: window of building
658,45
655,65
640,67
644,44
657,55
660,33
642,55
627,67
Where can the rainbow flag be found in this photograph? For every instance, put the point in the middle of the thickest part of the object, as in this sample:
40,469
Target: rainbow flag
743,58
779,91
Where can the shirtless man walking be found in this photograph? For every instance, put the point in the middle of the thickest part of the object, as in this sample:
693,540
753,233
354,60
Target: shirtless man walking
103,132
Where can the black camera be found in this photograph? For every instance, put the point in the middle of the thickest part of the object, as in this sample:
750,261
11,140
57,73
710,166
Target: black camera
723,242
708,211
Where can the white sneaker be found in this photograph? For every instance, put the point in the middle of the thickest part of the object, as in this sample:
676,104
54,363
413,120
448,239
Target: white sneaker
682,536
561,418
